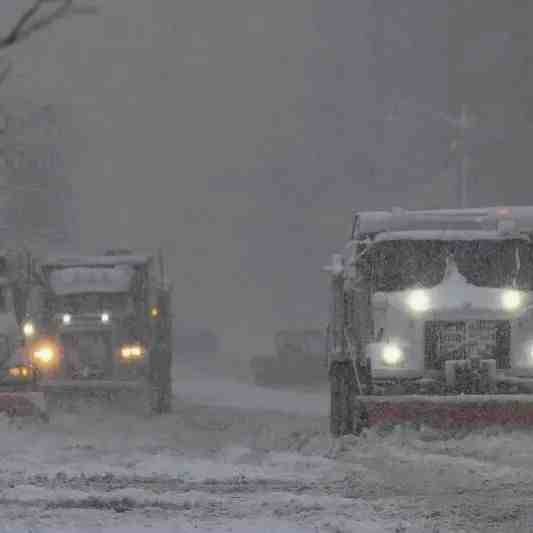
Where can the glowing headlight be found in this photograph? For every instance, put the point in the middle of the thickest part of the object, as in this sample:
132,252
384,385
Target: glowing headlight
44,354
14,372
19,371
131,351
511,299
136,351
418,300
105,318
28,329
67,319
392,354
126,352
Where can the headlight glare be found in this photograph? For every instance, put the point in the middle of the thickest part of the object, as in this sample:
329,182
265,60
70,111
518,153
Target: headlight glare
392,354
511,299
131,351
67,319
19,371
136,351
418,300
105,317
28,329
44,354
126,352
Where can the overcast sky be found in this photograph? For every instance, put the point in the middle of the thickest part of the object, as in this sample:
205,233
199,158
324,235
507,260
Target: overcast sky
237,133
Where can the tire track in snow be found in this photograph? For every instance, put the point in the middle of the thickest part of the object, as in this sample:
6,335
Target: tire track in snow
239,485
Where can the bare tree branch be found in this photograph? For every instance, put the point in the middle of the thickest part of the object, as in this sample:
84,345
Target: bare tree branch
4,73
35,23
13,36
40,16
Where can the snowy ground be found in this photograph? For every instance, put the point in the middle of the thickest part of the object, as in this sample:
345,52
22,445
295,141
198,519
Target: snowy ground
233,457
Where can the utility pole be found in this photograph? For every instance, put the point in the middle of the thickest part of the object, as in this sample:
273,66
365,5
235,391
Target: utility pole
463,125
460,145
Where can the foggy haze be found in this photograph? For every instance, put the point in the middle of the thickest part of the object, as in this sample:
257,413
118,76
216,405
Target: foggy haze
240,135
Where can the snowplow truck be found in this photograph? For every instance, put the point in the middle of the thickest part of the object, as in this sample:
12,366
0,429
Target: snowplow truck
432,319
300,360
98,333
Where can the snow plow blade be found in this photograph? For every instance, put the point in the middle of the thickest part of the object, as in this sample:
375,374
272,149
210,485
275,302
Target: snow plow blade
130,397
448,412
15,404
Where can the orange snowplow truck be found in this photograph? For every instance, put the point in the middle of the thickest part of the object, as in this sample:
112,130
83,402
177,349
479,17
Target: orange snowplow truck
432,319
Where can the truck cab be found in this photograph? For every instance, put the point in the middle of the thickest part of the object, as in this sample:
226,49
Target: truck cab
94,320
420,295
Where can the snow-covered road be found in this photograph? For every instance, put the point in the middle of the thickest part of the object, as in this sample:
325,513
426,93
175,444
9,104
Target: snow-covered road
234,457
212,391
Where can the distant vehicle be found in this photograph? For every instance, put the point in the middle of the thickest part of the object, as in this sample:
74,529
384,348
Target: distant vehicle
100,329
202,341
432,316
300,360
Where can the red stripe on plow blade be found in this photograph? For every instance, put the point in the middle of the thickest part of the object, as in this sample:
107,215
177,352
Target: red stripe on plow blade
19,404
443,412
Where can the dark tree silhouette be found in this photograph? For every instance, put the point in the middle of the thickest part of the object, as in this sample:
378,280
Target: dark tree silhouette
35,193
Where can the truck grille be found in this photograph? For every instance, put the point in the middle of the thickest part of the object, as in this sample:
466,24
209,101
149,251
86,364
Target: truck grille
87,352
446,340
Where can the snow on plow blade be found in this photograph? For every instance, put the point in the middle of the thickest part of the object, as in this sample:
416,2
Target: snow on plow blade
124,396
449,412
23,404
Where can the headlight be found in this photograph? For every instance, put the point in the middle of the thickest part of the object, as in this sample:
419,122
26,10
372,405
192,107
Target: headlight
125,352
45,354
131,351
28,329
511,299
105,317
392,354
19,371
418,300
67,319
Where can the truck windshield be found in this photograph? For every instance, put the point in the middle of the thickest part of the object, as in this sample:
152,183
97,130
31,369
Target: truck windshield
401,264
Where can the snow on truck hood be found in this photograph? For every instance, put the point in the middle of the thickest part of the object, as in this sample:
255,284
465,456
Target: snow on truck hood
454,292
85,279
447,235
